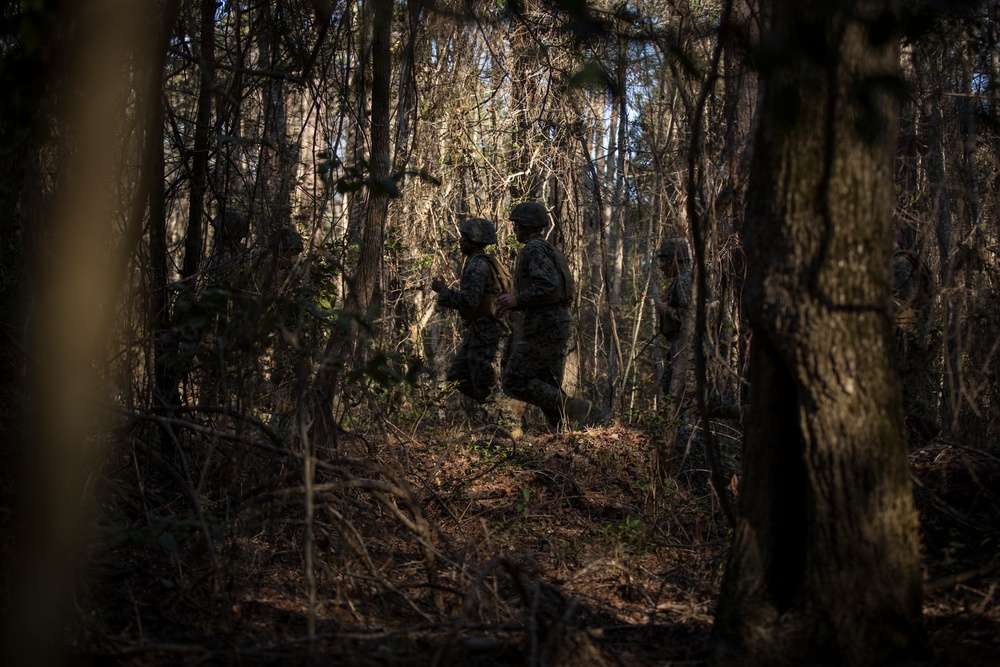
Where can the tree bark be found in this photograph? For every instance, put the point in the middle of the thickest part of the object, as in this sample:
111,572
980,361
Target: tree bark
202,135
164,383
379,188
824,567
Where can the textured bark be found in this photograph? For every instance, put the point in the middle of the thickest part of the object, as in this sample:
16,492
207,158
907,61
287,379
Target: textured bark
739,37
824,568
378,191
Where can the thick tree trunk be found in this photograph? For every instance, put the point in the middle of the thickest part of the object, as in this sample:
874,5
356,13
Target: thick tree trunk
824,567
70,323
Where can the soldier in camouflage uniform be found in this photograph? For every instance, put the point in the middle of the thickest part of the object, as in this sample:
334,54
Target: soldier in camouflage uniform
915,347
675,321
474,366
543,288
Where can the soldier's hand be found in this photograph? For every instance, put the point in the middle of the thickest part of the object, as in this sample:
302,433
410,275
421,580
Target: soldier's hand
437,283
505,302
661,307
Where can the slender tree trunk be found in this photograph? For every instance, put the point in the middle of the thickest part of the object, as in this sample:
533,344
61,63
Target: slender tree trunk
824,567
622,224
276,174
942,212
379,185
167,371
360,88
965,413
740,38
194,241
371,214
164,390
611,240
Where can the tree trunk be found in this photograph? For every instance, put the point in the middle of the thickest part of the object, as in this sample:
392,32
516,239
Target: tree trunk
740,37
824,568
942,210
202,135
164,387
379,188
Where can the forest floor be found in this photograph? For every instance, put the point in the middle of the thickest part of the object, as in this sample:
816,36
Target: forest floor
548,549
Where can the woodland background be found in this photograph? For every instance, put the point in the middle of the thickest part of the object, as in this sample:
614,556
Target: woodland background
218,258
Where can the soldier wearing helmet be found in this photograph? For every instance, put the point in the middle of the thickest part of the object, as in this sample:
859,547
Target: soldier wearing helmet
674,315
474,366
543,290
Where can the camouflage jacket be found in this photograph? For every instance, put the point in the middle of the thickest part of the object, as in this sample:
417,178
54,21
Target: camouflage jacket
678,299
537,276
477,291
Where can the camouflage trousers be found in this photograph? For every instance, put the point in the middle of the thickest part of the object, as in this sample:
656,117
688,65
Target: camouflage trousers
534,371
677,384
475,364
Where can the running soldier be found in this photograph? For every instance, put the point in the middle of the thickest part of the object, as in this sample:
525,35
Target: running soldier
543,289
676,323
474,366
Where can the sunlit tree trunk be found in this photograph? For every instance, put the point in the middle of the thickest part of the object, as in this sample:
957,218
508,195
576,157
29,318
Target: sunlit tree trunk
525,177
740,38
379,186
824,566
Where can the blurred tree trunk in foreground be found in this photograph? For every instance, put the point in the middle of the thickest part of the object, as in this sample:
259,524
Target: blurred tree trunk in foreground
67,328
824,567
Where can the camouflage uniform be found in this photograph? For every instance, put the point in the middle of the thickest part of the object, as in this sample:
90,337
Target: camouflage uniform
534,372
915,346
677,325
474,366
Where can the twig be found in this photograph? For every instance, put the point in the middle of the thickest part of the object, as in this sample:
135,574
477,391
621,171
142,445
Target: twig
189,495
960,578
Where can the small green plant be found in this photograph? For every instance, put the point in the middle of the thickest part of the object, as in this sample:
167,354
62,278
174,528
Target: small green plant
522,507
626,530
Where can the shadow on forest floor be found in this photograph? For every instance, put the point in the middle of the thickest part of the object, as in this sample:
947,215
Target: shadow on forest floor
557,551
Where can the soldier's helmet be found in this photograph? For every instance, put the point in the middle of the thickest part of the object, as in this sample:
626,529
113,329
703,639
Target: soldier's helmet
530,214
675,248
478,230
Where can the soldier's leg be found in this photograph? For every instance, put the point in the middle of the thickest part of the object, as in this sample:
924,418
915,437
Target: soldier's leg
528,378
458,370
482,364
534,371
668,371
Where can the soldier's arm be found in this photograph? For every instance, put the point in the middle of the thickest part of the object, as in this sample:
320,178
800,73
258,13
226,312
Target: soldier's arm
543,274
678,299
475,279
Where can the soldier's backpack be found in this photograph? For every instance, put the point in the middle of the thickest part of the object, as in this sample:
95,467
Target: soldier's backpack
502,274
566,286
504,284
